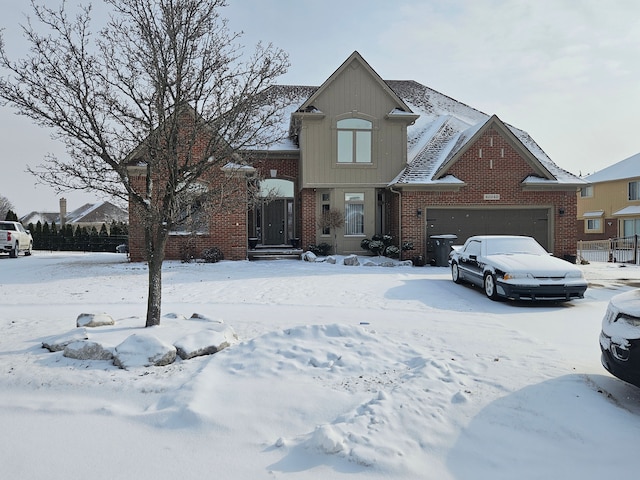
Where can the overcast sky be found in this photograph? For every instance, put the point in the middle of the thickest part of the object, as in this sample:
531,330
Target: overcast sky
565,71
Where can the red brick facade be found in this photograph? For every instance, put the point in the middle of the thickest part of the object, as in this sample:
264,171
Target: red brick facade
228,229
610,230
491,165
307,211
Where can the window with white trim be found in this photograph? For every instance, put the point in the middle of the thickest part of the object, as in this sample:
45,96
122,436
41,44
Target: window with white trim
594,225
354,140
634,190
354,213
586,192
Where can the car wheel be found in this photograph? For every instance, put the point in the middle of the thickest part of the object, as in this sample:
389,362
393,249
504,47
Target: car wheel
28,252
14,252
455,273
490,286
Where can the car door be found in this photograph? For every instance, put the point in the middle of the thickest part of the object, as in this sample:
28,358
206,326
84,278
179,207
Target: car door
468,265
22,237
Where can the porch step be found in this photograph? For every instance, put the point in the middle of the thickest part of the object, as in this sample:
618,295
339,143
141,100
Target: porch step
274,253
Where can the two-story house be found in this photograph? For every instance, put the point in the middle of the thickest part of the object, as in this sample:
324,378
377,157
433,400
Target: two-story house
393,157
609,206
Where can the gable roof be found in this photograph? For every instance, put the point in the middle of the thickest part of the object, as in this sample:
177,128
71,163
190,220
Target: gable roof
627,168
101,212
447,128
442,130
42,217
469,136
356,58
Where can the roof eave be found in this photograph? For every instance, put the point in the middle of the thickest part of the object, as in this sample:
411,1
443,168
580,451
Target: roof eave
551,186
406,117
429,186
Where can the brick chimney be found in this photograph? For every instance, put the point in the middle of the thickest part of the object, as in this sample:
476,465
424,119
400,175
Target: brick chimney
63,211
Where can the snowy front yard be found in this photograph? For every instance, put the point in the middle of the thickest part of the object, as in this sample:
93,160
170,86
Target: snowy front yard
359,372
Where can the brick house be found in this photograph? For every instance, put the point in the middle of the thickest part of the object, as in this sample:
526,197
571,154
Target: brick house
609,206
393,157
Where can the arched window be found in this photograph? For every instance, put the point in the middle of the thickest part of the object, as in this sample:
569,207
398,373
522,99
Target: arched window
354,140
276,188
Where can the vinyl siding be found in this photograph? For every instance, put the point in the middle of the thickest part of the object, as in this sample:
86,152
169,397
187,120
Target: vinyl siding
353,93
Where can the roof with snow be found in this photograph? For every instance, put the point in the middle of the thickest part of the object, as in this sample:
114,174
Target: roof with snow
624,169
101,212
445,127
630,210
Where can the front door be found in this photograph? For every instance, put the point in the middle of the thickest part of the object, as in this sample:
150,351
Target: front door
274,218
272,221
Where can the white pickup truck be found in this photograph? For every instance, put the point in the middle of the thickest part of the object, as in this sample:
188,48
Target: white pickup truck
15,239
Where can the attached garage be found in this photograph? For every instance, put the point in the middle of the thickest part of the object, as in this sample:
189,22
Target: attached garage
468,221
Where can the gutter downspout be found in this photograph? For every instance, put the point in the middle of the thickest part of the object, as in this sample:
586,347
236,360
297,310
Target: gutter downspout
399,193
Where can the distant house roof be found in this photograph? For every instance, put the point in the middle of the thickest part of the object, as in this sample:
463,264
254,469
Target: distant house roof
444,129
627,168
42,217
101,212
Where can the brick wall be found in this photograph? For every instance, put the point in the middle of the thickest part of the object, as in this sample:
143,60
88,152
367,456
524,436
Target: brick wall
286,168
136,230
307,211
228,228
493,166
610,231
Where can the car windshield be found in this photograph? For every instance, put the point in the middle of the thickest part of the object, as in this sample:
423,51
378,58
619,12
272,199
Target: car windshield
500,246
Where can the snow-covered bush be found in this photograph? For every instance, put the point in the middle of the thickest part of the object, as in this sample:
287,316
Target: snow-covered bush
321,249
212,255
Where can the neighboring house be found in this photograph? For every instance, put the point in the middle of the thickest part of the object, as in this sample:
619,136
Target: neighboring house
89,215
394,157
609,206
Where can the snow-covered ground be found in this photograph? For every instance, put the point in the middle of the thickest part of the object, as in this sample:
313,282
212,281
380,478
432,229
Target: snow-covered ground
340,371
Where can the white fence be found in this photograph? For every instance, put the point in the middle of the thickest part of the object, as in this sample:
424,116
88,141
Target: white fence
623,250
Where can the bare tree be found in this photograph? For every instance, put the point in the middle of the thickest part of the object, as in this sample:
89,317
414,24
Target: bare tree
136,99
330,221
5,207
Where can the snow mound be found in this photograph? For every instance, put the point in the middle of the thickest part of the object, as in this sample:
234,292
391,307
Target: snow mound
381,393
87,350
57,343
143,350
94,320
206,342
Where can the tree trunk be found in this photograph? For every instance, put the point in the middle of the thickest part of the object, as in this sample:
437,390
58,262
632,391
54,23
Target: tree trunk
156,242
154,300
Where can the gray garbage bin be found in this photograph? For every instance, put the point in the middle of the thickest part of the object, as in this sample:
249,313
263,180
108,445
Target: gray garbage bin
441,247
